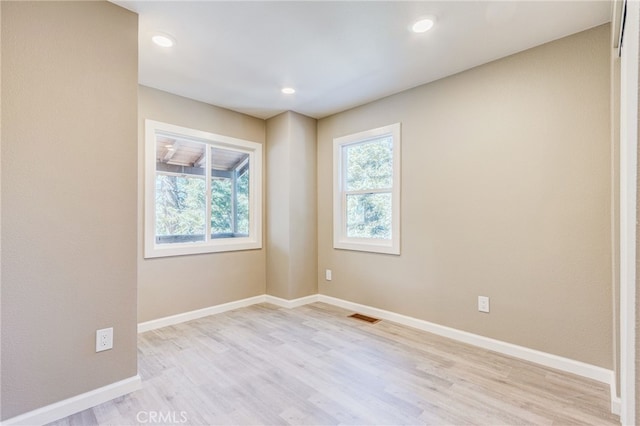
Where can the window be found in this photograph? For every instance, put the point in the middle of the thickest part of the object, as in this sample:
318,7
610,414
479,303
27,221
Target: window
366,188
203,192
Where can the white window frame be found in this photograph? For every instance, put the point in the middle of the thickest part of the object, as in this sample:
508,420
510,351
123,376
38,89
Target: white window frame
210,245
340,238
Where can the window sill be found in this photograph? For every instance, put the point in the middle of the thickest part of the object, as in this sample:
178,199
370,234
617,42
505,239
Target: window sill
185,249
384,247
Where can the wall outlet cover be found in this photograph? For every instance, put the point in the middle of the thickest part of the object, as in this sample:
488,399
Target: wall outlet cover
483,304
104,339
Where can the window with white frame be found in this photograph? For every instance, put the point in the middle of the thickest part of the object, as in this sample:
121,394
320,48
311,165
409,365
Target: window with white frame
203,192
366,188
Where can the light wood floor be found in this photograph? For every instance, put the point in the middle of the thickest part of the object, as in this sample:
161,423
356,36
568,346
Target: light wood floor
315,366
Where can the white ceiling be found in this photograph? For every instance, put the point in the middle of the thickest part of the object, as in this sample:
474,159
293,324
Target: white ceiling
337,55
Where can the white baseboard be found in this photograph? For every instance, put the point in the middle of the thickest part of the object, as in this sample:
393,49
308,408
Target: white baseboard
67,407
542,358
616,405
199,313
294,303
549,360
218,309
95,397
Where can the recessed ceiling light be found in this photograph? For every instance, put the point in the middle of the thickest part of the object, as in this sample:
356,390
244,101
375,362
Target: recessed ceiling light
163,40
423,25
288,90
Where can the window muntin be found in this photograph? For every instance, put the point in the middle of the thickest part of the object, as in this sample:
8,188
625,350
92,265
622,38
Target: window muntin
203,192
366,190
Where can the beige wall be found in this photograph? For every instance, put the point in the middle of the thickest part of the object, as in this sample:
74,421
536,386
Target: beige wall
278,231
69,93
172,285
291,222
304,208
506,193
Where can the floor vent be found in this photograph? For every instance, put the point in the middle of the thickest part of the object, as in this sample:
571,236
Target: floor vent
364,318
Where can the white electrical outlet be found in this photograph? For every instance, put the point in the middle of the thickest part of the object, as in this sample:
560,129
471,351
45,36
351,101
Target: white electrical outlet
104,339
327,274
483,304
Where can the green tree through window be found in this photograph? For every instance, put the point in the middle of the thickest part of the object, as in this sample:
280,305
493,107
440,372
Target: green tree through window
180,208
366,191
181,192
369,167
203,192
221,206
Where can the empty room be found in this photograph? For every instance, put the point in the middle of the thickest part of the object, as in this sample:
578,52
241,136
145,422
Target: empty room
319,212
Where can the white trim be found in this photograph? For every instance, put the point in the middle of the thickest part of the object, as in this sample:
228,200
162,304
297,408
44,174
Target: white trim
628,206
294,303
67,407
199,313
340,238
549,360
253,149
615,400
616,21
225,307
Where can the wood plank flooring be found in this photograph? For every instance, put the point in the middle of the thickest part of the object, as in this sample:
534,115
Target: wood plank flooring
314,365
